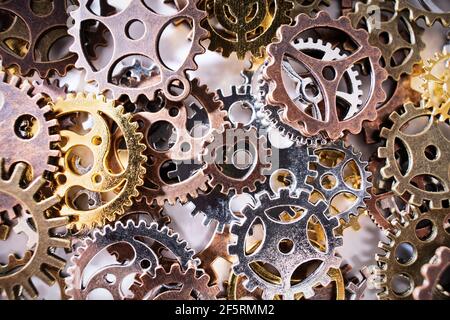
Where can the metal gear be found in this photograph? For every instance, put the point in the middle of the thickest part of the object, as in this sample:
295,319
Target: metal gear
385,35
433,272
31,34
427,14
239,95
133,246
98,177
194,285
356,287
391,265
228,143
420,163
308,7
234,27
18,273
27,123
332,181
332,125
125,46
270,251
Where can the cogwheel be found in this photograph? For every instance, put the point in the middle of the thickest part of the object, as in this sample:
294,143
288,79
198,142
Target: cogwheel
41,258
278,232
50,89
98,177
26,42
416,12
231,30
390,29
333,181
392,265
240,97
330,124
125,46
27,123
433,272
236,175
136,248
421,163
194,285
309,7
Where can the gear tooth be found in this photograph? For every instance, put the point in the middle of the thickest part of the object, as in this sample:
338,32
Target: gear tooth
308,293
232,249
382,152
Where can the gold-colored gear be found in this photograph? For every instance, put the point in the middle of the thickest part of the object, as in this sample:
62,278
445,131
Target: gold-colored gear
235,27
18,273
436,85
99,177
390,266
416,13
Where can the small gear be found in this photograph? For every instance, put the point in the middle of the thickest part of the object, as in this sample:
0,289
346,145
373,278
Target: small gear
194,285
35,263
294,233
405,253
332,124
309,7
235,27
27,41
385,35
421,160
244,97
133,246
99,176
126,46
357,285
416,12
433,273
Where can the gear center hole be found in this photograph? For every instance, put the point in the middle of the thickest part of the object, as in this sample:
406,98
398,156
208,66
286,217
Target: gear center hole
432,153
26,127
242,159
329,73
286,246
385,37
135,29
329,182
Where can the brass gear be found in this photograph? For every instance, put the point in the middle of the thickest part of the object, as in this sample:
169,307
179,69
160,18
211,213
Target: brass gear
233,31
278,96
41,259
391,30
390,265
310,7
99,177
416,13
419,163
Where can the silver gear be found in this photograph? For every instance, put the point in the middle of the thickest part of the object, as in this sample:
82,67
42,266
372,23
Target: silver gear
338,173
275,232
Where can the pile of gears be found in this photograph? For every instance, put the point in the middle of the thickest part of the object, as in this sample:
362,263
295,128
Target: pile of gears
87,177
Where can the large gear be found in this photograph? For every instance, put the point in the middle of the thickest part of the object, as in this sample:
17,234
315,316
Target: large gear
416,12
194,285
391,264
294,232
17,274
132,244
338,183
279,96
231,30
385,35
99,176
125,46
27,123
420,161
27,41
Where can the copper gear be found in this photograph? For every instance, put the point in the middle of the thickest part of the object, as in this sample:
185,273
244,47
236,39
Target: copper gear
416,146
194,285
279,96
124,46
432,273
389,266
235,33
99,178
227,140
416,13
308,7
391,28
40,32
27,123
42,259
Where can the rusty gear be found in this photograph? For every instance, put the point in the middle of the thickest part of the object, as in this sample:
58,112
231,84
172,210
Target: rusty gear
194,285
332,125
124,46
420,162
391,29
416,13
390,265
432,273
37,262
33,31
99,177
